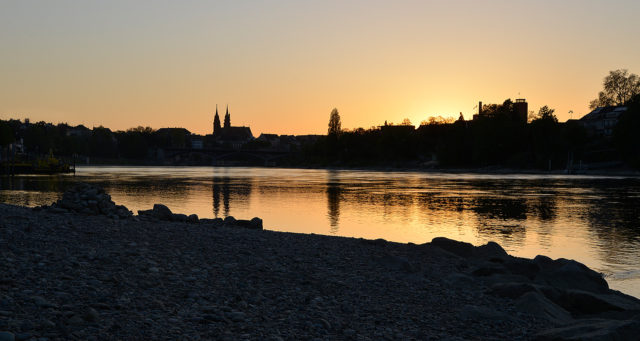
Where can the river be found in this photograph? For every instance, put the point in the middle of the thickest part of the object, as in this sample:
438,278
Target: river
592,219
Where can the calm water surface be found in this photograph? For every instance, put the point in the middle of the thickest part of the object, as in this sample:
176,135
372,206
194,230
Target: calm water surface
591,219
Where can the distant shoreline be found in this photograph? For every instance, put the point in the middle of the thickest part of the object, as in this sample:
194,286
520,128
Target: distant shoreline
489,170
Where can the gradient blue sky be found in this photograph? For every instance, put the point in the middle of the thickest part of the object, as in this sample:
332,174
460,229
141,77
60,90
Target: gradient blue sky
283,65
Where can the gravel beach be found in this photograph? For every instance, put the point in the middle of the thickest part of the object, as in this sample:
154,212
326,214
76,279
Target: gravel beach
70,273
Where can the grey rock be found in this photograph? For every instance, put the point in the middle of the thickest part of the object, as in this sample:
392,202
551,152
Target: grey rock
91,315
490,251
523,267
536,304
349,332
256,223
145,213
42,303
461,249
569,274
47,324
242,223
75,320
237,316
584,302
123,212
162,212
179,217
325,324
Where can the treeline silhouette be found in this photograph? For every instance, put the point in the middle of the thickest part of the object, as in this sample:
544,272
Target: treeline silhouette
491,139
65,140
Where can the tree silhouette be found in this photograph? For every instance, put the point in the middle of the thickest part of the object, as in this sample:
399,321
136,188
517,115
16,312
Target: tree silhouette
334,122
546,114
6,134
618,88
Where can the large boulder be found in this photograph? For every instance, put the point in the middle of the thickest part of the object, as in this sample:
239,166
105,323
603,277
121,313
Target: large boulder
569,274
162,212
538,305
192,218
461,249
490,251
582,303
254,224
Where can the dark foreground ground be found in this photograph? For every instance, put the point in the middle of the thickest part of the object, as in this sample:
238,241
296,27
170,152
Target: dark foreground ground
66,275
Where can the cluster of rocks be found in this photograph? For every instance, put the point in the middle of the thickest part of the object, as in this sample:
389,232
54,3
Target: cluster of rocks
90,199
162,212
576,299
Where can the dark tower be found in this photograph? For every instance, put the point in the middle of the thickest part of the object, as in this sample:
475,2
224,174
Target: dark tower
227,119
216,122
521,110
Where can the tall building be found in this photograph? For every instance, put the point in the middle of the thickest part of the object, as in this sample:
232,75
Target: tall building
521,110
228,134
216,122
227,119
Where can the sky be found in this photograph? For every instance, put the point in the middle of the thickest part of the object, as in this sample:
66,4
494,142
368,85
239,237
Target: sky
282,66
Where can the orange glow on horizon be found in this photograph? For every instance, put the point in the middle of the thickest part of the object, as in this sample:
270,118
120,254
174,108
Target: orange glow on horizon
283,66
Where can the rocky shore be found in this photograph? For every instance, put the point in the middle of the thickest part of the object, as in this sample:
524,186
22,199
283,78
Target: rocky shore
85,268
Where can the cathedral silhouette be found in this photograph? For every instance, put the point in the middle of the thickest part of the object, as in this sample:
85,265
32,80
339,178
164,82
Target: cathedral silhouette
228,133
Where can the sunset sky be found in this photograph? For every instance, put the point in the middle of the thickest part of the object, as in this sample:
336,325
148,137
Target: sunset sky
281,66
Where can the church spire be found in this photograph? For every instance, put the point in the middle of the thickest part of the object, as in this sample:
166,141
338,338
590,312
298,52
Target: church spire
227,118
216,122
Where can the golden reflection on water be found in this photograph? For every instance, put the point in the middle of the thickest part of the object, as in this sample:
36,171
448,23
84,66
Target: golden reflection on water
592,220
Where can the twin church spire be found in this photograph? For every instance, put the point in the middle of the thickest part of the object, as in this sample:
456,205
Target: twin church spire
216,121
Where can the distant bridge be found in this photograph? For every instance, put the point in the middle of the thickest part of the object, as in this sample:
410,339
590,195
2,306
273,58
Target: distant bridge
225,154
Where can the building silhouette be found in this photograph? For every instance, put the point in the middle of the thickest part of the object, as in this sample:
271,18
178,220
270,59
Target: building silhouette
228,134
519,112
602,120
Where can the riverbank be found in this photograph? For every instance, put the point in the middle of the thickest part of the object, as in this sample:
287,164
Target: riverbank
107,274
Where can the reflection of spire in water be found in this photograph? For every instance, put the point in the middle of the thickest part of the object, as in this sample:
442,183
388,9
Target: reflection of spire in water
216,199
225,196
333,203
220,188
224,188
